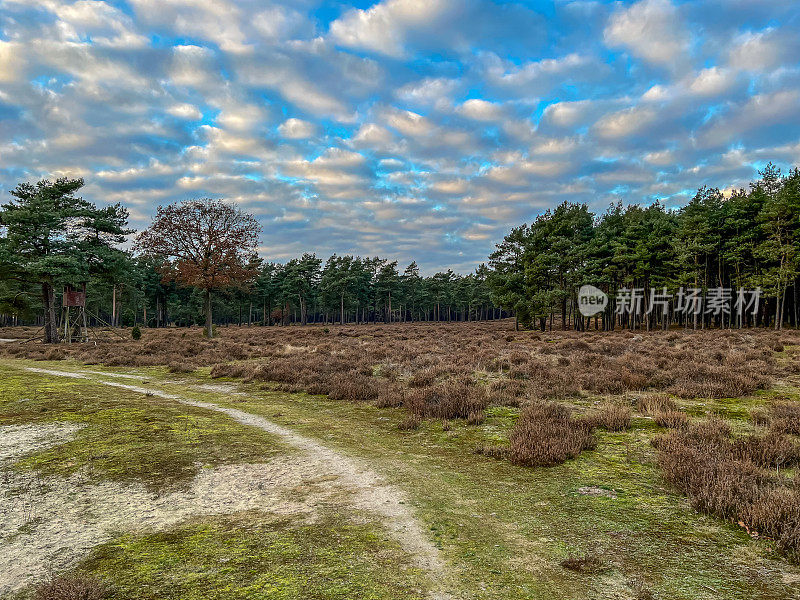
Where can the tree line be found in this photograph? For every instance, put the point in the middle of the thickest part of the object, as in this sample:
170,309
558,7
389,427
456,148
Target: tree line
747,240
197,263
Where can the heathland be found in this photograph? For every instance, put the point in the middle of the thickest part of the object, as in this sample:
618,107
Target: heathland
463,460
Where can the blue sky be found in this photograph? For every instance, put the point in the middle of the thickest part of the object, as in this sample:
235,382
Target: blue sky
410,129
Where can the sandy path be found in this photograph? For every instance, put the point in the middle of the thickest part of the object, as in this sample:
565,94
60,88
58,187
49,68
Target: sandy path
369,491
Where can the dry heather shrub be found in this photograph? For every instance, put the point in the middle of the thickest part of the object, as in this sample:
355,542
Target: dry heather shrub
493,451
772,450
355,388
476,417
410,422
71,587
426,377
589,563
454,399
712,381
671,419
390,397
546,434
760,416
785,417
777,514
721,477
503,392
612,417
655,403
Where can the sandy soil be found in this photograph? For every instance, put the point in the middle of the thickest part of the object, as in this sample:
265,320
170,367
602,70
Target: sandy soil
318,466
47,523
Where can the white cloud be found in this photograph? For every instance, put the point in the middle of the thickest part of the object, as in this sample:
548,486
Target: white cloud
650,29
280,23
567,114
713,81
409,123
661,158
11,61
297,129
383,27
431,90
451,186
185,111
760,51
481,110
370,134
623,123
759,112
217,21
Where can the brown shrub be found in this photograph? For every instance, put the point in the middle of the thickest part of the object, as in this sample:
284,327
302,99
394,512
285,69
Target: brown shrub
546,434
355,388
493,451
389,397
655,403
760,416
454,399
410,422
773,450
672,419
589,563
476,417
716,381
785,417
71,587
724,478
777,514
612,417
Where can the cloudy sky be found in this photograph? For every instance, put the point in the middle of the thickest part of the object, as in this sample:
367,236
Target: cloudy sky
412,129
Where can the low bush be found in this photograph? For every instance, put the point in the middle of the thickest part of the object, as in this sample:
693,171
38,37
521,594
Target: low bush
71,587
612,417
672,419
588,563
785,417
546,434
655,403
728,479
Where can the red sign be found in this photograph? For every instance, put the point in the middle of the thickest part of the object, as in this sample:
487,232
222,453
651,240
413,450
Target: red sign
74,297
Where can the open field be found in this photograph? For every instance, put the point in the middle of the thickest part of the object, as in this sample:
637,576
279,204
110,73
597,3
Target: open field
502,454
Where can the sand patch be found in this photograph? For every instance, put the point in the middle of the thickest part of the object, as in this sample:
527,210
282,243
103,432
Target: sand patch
19,440
48,523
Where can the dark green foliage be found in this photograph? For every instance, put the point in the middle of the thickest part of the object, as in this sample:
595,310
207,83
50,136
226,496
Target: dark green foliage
747,240
53,237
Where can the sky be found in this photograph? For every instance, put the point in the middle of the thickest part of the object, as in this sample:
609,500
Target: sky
411,129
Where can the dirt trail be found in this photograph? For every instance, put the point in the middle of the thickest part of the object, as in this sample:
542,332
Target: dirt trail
369,491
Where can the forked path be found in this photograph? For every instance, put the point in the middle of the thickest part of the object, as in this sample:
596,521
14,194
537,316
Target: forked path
369,491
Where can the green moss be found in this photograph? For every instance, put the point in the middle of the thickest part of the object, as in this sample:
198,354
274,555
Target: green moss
250,556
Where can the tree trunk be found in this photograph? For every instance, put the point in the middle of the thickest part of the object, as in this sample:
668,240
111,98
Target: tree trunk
50,324
209,324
